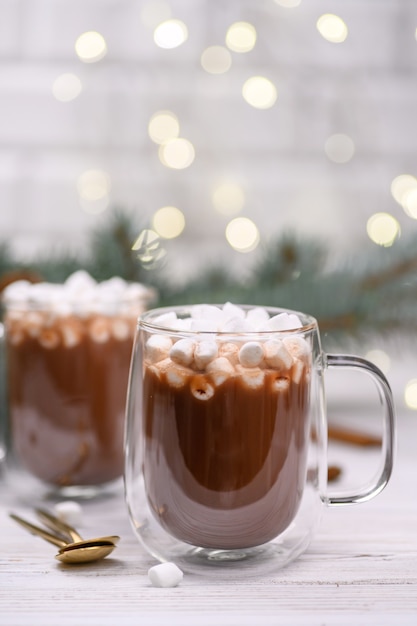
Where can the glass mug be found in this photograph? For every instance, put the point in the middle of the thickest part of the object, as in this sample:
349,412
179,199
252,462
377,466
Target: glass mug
67,352
226,436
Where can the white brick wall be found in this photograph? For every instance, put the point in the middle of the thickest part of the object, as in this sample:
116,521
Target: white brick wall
365,87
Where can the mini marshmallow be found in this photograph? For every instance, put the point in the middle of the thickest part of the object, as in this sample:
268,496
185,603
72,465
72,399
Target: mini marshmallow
251,354
165,319
282,321
80,281
100,330
204,325
71,333
182,352
204,352
237,325
232,310
257,316
120,329
48,339
297,371
165,575
207,311
176,375
280,384
230,351
69,512
158,347
276,355
298,347
251,377
201,388
220,369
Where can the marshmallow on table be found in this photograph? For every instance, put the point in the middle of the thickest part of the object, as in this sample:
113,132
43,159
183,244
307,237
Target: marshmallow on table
69,512
165,575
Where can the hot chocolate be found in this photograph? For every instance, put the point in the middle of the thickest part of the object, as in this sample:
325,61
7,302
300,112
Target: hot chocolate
226,428
67,372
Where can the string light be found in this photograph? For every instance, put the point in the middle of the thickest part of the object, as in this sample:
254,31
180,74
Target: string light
168,222
177,153
170,34
228,198
383,229
93,187
91,47
339,148
242,234
410,394
332,28
216,60
66,87
380,358
259,92
241,37
163,126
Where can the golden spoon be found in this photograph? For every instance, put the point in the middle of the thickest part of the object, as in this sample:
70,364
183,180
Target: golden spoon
67,531
83,551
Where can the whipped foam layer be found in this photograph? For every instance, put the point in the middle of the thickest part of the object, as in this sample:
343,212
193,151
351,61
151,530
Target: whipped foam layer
79,294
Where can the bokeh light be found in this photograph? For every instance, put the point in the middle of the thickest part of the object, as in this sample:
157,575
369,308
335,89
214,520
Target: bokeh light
380,358
66,87
242,234
410,203
401,187
241,37
168,222
332,28
163,126
339,148
93,184
228,198
410,394
177,153
91,47
216,60
383,229
170,34
259,92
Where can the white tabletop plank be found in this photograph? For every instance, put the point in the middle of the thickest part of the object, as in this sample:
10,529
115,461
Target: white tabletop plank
361,568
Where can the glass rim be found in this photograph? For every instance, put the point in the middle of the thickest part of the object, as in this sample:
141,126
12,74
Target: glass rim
145,321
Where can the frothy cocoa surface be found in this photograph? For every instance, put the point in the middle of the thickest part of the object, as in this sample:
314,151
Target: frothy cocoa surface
225,448
67,382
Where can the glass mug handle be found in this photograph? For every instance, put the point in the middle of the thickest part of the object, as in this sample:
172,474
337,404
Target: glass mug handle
377,484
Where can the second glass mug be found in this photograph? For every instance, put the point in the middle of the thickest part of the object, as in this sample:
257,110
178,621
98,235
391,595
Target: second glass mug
226,437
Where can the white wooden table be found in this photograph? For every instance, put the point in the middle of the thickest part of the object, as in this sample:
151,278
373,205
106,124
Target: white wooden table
360,569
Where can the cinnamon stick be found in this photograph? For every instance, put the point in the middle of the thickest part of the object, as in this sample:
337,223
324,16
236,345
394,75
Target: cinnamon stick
338,433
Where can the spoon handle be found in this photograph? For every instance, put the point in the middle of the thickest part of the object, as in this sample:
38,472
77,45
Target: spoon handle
36,530
55,524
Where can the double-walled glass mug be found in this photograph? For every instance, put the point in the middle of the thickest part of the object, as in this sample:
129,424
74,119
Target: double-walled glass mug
67,351
226,435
